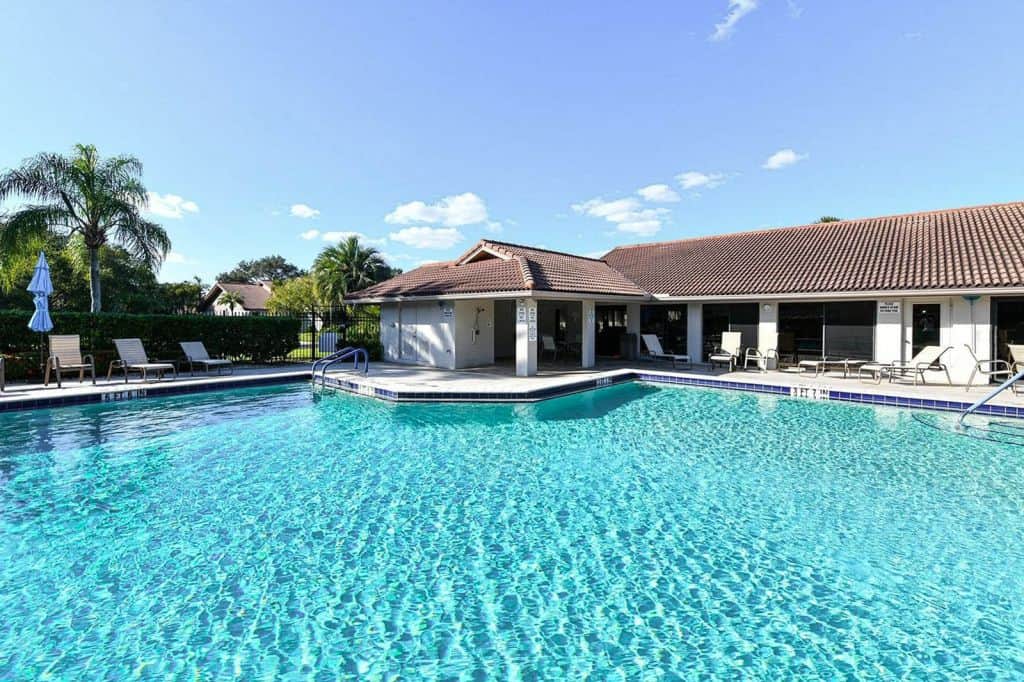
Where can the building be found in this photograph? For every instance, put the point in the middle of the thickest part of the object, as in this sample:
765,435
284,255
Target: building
254,299
874,288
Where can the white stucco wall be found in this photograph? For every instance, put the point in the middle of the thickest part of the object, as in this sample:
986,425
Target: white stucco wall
474,333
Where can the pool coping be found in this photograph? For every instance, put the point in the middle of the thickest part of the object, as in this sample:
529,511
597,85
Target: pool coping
154,389
616,377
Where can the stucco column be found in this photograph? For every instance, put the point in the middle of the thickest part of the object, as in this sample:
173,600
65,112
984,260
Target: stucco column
767,328
526,337
695,332
589,340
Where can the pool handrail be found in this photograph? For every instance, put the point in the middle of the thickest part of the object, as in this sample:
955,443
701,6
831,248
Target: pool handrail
345,353
989,396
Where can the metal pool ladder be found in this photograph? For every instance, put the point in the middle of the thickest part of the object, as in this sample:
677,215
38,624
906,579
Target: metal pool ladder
346,353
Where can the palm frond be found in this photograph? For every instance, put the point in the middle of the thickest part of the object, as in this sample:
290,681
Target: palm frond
145,240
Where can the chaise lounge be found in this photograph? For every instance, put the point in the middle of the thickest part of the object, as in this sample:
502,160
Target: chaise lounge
928,359
132,358
196,354
656,352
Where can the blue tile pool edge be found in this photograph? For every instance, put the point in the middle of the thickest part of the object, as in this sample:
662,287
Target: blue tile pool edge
804,392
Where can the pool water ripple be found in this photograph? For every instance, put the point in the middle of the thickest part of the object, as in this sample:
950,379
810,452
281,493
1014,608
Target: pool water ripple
628,533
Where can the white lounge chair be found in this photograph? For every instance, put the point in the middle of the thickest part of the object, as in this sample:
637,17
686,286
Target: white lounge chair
728,353
987,368
760,359
66,356
196,354
928,359
654,350
132,358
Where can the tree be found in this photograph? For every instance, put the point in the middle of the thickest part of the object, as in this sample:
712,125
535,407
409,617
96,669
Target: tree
294,296
272,268
231,299
828,219
346,267
81,194
182,296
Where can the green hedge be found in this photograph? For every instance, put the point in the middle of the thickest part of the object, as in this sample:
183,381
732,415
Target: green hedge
251,338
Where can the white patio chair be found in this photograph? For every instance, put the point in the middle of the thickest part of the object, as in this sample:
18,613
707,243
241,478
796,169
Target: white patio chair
655,351
987,368
760,359
548,345
728,353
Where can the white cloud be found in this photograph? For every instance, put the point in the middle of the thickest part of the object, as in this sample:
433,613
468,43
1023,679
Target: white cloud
176,257
427,237
658,193
737,10
451,211
303,211
782,158
697,180
795,10
628,214
169,205
342,235
494,226
310,234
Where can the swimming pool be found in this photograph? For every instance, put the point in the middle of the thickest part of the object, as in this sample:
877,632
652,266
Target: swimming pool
624,533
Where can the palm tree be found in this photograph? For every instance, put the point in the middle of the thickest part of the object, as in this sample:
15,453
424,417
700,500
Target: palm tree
231,299
99,199
344,268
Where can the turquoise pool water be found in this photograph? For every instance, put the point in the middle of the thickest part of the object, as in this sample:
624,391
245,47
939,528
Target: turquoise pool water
628,533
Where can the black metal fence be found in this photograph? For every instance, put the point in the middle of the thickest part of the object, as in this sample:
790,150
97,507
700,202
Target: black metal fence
325,329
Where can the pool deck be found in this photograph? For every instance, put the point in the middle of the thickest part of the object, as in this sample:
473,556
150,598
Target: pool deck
22,396
402,383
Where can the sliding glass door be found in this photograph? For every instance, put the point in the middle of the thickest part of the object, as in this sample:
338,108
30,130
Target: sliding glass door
835,330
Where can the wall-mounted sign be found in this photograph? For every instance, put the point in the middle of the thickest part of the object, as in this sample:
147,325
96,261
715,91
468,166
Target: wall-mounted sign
521,310
448,312
533,314
888,307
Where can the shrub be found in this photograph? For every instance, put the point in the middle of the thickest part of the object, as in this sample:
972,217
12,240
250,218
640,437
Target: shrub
251,338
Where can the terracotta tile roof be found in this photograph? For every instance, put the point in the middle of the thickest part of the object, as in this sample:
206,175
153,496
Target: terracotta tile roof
492,266
975,247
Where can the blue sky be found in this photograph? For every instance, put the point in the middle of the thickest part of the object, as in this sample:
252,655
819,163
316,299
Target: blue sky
275,127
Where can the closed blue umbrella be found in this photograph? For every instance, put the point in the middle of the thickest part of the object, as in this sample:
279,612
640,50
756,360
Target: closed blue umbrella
41,287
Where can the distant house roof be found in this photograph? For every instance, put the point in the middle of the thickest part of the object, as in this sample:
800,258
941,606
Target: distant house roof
254,296
962,248
499,267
